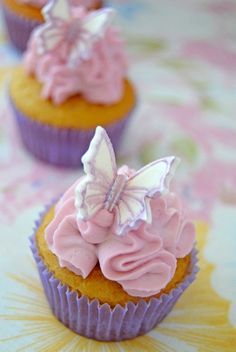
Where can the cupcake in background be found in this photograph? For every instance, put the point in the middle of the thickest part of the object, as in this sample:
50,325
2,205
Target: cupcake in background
74,78
22,16
116,252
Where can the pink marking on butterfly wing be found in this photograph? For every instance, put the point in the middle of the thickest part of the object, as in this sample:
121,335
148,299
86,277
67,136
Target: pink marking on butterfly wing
101,171
133,206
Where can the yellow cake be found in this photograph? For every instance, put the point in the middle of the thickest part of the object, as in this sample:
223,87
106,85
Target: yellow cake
76,112
24,10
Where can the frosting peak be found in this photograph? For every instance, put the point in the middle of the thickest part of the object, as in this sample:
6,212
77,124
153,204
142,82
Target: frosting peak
77,52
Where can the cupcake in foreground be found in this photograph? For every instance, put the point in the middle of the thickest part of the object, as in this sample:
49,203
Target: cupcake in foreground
116,251
22,16
73,79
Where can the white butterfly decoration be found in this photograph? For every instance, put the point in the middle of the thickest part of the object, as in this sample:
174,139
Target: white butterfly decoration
77,35
105,187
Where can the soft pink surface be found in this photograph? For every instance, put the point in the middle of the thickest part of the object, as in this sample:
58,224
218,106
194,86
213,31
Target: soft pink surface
143,261
99,79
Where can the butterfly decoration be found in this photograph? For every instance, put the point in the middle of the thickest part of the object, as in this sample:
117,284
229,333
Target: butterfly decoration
63,28
106,187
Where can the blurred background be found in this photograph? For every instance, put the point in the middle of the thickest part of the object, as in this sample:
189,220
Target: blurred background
182,57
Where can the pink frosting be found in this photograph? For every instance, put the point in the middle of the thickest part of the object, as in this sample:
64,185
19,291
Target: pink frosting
138,262
97,229
169,222
66,242
41,3
143,261
99,79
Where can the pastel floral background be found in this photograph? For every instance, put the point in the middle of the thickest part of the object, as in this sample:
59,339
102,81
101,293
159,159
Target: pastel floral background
183,62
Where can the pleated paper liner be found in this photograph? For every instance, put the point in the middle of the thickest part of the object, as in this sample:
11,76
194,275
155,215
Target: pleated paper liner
18,27
62,146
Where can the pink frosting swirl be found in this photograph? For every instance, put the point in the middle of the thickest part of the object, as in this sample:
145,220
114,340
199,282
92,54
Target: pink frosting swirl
41,3
98,229
99,79
143,261
138,262
170,223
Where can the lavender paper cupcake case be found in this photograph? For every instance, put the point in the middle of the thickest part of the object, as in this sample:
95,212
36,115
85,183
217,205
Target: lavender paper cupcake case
18,27
62,146
98,321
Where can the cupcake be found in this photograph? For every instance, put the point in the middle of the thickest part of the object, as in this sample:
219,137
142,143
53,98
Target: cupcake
116,251
22,16
74,78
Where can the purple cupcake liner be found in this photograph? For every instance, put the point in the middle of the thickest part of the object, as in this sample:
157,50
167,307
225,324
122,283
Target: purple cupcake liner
62,146
98,321
18,27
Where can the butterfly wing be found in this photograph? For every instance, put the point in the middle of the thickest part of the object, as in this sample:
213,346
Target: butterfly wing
48,38
100,169
134,202
96,23
51,34
57,10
